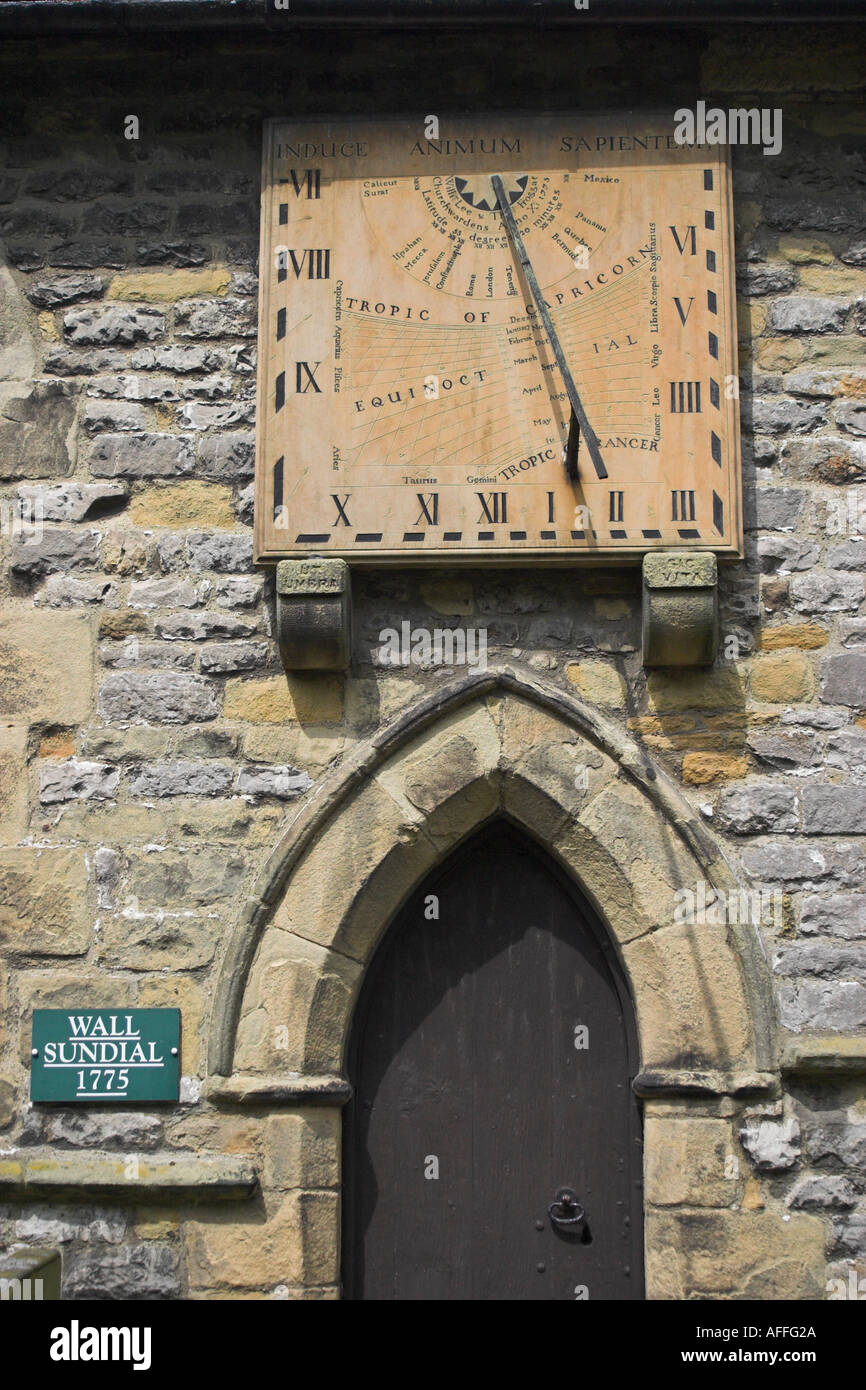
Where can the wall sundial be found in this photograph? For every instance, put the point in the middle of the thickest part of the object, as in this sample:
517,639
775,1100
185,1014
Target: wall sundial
448,371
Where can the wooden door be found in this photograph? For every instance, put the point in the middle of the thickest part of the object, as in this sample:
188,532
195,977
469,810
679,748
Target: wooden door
492,1054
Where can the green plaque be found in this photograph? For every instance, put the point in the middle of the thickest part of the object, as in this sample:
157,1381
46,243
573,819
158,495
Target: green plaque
105,1054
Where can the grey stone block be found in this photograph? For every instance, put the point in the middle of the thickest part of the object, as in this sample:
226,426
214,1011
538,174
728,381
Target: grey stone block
771,863
145,1272
132,652
823,1194
807,314
168,697
224,551
220,658
826,591
198,626
35,432
227,458
65,289
100,416
837,1006
762,808
765,278
181,779
116,1129
843,679
785,554
55,552
112,323
767,415
850,555
73,501
215,318
285,783
73,780
851,417
64,591
165,593
772,1145
833,810
822,959
783,750
141,456
834,914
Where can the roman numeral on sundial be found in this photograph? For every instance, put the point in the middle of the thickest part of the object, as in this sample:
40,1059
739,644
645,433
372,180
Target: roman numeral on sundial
429,509
494,507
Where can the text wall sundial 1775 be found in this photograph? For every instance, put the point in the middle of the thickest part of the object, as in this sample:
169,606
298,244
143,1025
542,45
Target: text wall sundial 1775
515,341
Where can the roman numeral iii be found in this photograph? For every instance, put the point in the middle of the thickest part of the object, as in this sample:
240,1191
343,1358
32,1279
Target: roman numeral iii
682,505
686,397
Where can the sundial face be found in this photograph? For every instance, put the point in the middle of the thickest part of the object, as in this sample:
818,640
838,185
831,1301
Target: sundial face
413,401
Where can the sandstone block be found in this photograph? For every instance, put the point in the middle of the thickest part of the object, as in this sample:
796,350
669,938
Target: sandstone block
44,909
46,670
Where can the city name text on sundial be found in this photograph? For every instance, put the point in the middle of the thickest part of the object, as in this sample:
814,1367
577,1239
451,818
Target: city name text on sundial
509,343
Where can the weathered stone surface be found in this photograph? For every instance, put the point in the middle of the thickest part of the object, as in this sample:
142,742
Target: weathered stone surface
823,591
276,700
186,878
840,1144
168,285
72,779
166,698
784,750
238,591
850,555
13,780
163,941
132,653
807,314
227,458
165,593
719,689
772,1145
55,551
141,456
103,416
190,503
834,914
738,1254
851,418
224,318
65,591
198,625
145,1272
770,415
823,1194
65,289
705,769
775,863
598,682
35,432
181,779
759,809
112,323
843,679
833,810
224,552
302,1149
837,1006
117,1129
686,1162
773,508
765,278
45,666
219,658
43,902
782,679
72,501
287,783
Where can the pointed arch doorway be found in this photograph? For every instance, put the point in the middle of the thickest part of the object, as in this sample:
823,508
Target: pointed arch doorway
491,1056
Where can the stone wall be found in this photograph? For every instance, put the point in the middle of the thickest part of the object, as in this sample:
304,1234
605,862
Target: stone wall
152,751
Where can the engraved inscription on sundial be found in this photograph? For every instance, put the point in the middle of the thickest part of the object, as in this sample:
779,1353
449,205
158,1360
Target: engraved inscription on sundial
450,371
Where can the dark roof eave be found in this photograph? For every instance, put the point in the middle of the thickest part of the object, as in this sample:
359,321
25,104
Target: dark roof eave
28,17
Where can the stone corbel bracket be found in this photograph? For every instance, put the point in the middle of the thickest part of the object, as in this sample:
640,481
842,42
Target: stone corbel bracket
314,614
680,608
